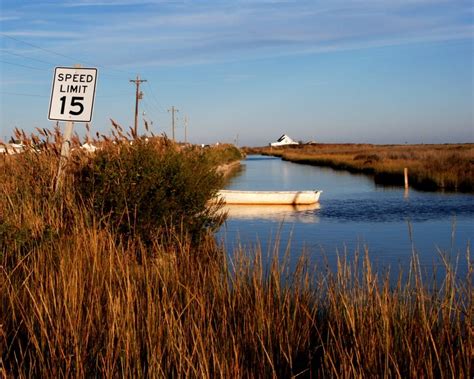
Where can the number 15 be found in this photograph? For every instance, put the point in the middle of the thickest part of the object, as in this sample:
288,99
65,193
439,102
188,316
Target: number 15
75,102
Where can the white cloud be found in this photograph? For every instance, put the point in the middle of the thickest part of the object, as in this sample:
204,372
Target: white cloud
171,32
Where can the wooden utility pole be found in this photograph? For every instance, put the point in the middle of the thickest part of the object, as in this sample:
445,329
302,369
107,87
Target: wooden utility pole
173,110
185,129
138,96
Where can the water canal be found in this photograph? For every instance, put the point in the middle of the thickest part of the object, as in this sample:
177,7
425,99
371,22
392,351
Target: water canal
354,214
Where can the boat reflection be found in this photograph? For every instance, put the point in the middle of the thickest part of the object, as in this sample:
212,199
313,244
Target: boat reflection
301,213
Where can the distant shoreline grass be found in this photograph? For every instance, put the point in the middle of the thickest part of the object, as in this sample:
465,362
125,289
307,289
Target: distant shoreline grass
119,275
448,167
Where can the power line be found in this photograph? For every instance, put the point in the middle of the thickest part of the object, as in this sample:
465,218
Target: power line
22,94
158,120
38,47
151,109
22,65
62,55
47,96
155,121
24,56
110,96
155,99
155,108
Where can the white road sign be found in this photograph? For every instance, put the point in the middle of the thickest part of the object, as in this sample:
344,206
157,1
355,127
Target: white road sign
72,95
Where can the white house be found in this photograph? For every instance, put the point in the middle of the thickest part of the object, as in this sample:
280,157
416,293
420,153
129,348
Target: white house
284,140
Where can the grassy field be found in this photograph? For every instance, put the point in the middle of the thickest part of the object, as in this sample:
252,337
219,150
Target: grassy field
430,167
86,291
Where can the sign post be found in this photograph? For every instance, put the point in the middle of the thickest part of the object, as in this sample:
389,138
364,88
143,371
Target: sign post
72,100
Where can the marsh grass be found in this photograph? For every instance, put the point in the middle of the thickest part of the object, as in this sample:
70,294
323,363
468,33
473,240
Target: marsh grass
78,299
143,188
85,306
430,167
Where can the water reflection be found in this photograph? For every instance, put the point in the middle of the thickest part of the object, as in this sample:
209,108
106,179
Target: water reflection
261,158
355,213
293,213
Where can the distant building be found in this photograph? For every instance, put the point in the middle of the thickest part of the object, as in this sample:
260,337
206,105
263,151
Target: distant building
88,147
283,141
12,148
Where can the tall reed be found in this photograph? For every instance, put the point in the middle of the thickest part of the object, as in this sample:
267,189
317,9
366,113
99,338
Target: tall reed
79,298
85,306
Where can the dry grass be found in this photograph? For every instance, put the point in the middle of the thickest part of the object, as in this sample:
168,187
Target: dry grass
76,301
86,307
430,167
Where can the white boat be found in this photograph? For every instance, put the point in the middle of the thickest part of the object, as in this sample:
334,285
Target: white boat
269,197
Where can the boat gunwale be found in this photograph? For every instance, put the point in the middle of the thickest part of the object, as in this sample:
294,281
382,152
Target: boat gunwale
269,191
251,197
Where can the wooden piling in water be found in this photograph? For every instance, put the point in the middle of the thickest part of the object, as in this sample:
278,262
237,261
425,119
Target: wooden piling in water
405,172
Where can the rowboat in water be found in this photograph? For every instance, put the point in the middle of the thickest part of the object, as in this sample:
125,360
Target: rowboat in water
269,197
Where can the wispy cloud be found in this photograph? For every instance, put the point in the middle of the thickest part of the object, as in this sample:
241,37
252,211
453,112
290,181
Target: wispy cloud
9,18
110,3
43,34
158,32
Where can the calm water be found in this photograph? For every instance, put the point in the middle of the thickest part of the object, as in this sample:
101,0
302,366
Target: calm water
353,214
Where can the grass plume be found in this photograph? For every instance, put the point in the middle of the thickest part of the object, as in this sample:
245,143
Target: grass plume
79,298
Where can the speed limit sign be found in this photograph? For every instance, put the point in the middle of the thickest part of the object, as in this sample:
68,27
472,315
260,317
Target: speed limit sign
72,94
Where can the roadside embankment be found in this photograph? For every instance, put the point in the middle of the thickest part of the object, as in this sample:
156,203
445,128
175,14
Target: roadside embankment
430,167
226,157
227,168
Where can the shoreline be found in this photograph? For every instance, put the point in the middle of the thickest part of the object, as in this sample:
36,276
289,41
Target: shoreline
227,168
430,167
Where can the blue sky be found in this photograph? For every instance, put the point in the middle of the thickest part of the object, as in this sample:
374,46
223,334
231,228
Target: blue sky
375,71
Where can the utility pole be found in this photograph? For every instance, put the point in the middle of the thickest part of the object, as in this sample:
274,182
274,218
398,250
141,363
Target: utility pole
138,96
185,129
173,110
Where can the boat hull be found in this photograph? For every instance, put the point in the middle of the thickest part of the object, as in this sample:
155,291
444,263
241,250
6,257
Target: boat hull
269,197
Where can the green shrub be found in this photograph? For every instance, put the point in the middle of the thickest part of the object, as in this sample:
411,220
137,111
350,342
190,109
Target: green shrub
148,189
222,154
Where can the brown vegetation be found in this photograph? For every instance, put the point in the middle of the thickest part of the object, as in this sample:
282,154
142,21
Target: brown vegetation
81,298
430,167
